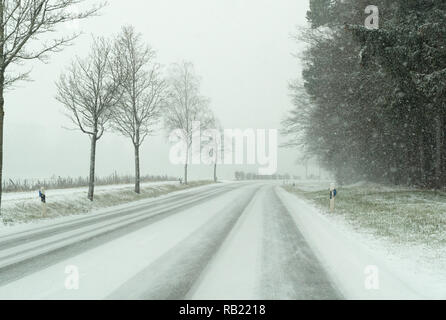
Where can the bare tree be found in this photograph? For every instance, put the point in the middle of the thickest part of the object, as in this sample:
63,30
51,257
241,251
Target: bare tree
22,24
89,91
186,107
214,144
144,91
218,151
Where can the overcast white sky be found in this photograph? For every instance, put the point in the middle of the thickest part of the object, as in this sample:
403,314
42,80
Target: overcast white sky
241,48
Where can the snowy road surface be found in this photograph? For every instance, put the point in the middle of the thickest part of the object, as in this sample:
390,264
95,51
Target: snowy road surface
226,241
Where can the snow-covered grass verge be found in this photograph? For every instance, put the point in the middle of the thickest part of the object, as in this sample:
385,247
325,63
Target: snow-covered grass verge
399,214
402,226
25,207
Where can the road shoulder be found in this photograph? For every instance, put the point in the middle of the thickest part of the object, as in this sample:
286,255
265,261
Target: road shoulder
349,259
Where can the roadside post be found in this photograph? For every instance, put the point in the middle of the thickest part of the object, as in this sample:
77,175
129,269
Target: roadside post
42,197
333,193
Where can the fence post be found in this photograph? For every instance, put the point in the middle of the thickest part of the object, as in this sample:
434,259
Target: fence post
42,196
333,193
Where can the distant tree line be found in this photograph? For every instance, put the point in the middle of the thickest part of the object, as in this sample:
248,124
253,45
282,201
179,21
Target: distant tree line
241,176
372,105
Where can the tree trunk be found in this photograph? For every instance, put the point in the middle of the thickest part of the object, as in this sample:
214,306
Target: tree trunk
185,165
2,98
306,169
438,150
137,172
215,172
2,116
92,167
421,158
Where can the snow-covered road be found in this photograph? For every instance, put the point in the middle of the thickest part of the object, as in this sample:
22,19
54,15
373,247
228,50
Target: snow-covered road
226,241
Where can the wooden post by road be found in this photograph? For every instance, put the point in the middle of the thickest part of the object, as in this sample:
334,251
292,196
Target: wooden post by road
333,193
42,196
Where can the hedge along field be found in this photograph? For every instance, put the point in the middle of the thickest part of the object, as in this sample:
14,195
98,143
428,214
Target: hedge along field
20,185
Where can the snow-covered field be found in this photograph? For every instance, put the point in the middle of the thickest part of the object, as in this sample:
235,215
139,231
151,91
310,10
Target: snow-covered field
24,207
399,230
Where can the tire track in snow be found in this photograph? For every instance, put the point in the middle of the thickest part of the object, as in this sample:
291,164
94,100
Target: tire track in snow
40,261
290,270
173,275
16,239
105,223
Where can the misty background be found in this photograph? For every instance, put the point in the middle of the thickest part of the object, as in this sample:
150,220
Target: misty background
242,50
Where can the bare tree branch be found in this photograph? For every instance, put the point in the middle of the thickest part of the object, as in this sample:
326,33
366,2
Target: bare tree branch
24,21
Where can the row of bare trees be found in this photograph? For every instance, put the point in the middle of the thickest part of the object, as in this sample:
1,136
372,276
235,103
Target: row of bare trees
120,86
